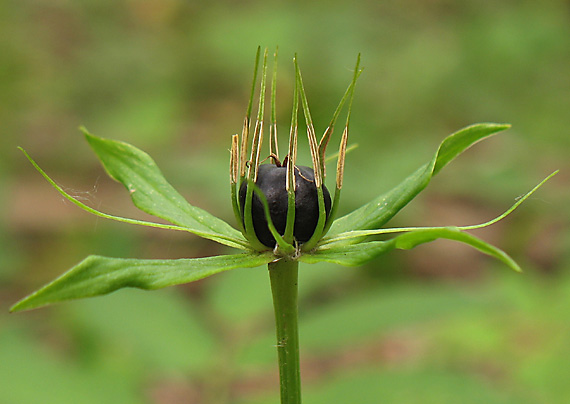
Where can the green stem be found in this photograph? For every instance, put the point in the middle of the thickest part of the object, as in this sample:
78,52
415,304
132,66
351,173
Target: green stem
284,275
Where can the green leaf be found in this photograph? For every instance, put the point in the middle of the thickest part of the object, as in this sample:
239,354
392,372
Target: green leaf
360,234
229,241
381,209
152,194
358,254
96,275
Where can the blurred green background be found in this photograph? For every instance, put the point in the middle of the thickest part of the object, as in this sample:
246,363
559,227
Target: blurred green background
439,324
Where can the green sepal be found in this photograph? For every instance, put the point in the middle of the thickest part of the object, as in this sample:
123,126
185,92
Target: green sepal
381,209
97,275
358,254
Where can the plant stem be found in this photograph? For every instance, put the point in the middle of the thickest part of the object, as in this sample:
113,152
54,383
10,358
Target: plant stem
284,275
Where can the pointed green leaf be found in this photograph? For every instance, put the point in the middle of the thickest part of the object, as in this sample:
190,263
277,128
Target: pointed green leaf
96,275
229,241
152,194
381,209
358,254
343,238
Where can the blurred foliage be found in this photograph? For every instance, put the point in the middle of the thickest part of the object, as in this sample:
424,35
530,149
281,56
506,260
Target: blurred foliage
172,77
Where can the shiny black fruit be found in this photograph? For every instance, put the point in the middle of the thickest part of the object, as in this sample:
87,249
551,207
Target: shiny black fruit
271,180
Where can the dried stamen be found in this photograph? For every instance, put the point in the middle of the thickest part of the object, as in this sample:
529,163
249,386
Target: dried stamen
273,143
247,119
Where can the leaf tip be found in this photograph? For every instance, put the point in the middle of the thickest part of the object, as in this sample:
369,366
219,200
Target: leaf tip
21,305
85,132
29,157
89,136
503,126
511,263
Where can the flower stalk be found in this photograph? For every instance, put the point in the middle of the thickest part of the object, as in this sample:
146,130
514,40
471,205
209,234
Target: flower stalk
283,275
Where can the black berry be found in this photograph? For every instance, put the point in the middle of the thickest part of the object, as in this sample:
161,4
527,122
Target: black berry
271,180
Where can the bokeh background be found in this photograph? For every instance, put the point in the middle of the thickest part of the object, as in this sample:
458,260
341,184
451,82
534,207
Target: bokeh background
439,324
